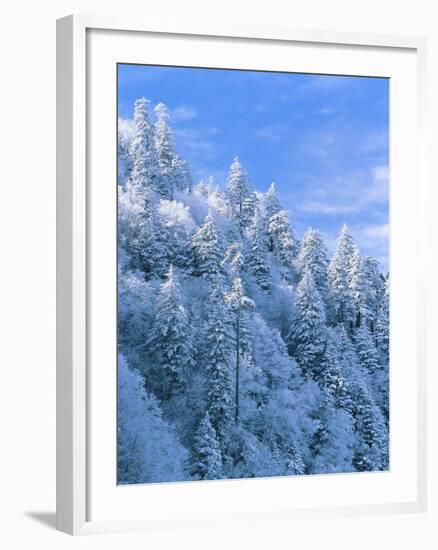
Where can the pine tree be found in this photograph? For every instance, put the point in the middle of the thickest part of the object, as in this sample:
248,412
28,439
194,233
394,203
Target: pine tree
257,253
307,334
366,350
207,250
145,172
219,345
239,304
360,286
165,151
205,460
240,195
182,178
171,339
371,447
148,247
313,257
234,259
284,242
329,373
341,305
382,325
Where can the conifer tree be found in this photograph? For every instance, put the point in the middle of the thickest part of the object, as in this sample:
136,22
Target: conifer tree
382,324
234,259
371,447
165,151
366,350
145,172
284,242
257,253
240,195
219,344
171,339
207,250
313,257
360,286
341,305
182,178
205,460
307,335
239,304
148,247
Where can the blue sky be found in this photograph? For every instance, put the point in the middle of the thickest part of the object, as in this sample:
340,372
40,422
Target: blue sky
323,139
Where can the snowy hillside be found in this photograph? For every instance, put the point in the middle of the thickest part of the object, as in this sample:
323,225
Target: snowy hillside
242,351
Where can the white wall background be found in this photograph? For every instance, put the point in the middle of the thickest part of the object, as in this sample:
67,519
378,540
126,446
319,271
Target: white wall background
27,302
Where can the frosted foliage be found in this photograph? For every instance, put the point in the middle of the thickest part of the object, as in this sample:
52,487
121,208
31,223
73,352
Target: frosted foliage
144,455
243,351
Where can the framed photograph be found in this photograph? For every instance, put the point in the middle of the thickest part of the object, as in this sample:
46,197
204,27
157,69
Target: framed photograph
241,297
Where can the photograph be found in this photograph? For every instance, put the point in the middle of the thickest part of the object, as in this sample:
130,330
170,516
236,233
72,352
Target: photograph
253,281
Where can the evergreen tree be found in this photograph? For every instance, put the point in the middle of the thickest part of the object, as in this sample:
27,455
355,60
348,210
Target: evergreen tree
284,242
182,178
376,289
145,172
257,253
207,250
307,335
366,350
234,259
148,247
313,257
205,460
240,195
382,325
371,447
219,344
239,304
341,305
165,150
271,202
329,373
360,286
171,339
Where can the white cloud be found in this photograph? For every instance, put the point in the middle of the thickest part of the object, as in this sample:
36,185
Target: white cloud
192,141
183,112
376,231
271,132
376,142
381,173
319,207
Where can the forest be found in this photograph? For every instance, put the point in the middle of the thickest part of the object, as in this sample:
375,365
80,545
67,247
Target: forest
243,351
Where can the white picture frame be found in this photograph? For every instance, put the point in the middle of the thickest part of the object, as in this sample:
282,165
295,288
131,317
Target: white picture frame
76,303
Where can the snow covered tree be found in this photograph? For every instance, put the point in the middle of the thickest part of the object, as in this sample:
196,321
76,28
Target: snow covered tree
271,202
240,194
376,289
360,289
165,150
313,257
382,324
170,340
207,250
205,460
284,242
257,253
341,305
145,171
329,373
234,259
147,449
239,304
366,350
148,247
219,349
307,334
182,178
